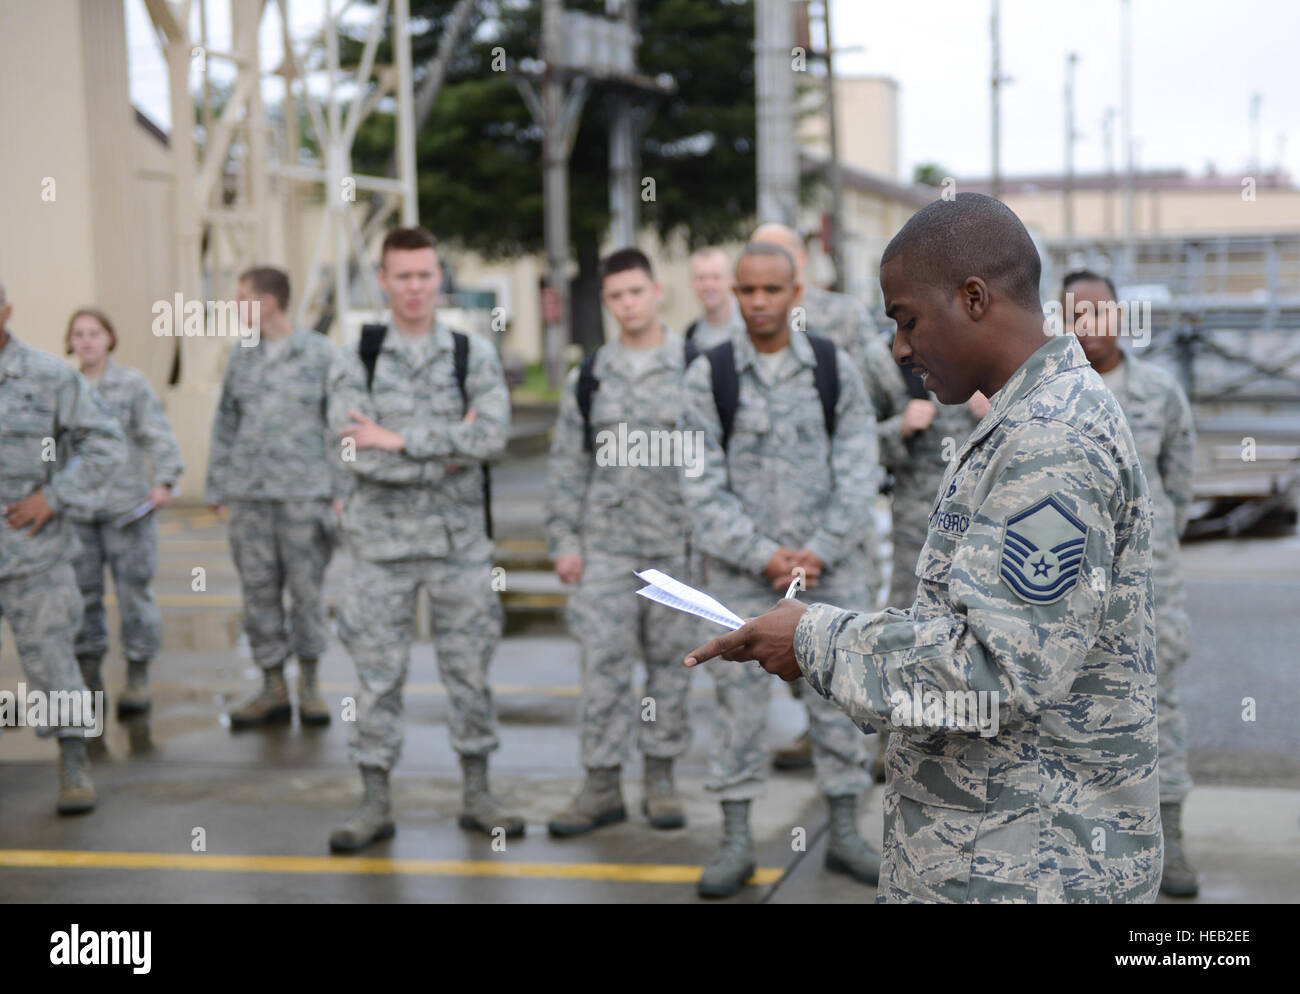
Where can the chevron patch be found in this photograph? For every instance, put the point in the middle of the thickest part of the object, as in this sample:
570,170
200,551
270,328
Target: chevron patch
1042,552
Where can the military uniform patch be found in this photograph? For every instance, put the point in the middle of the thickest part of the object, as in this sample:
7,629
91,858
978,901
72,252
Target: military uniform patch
1042,552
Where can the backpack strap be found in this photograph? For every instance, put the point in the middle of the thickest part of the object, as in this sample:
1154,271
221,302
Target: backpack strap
690,351
372,340
460,356
726,387
587,385
691,329
826,374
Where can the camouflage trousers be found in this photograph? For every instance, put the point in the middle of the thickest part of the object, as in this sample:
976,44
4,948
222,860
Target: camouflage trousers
281,545
131,555
44,611
377,625
616,629
1172,646
738,767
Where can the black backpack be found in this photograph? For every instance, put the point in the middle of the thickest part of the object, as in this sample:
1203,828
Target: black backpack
726,385
372,340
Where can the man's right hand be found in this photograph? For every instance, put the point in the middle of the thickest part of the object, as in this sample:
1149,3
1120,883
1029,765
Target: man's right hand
917,416
569,569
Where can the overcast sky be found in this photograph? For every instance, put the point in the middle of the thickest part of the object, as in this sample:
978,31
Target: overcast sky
1195,65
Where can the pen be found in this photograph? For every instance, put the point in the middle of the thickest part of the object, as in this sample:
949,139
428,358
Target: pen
793,589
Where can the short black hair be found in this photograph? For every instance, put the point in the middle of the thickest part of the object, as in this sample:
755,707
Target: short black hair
622,260
970,235
1088,276
769,249
269,281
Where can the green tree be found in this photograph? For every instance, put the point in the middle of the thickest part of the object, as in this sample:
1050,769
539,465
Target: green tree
479,155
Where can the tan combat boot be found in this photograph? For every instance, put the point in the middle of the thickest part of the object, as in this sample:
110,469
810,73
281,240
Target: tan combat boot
661,804
76,792
312,709
600,802
1178,878
268,705
796,756
847,851
734,863
482,811
135,698
373,821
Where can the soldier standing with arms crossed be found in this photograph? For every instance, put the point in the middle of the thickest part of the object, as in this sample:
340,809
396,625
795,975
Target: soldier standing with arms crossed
604,520
130,550
58,446
271,462
1034,585
1161,422
784,486
418,416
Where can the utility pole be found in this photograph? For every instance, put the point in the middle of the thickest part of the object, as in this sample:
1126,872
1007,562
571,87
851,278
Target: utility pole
1126,127
555,186
623,208
1068,186
778,157
836,174
996,82
1256,156
1108,139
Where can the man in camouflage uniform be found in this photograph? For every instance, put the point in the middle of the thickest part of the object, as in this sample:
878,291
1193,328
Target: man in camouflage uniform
608,515
1163,430
416,518
845,321
1034,585
272,462
719,318
782,495
57,447
129,549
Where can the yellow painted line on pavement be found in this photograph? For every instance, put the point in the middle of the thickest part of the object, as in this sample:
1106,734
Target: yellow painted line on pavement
351,865
187,600
197,545
170,528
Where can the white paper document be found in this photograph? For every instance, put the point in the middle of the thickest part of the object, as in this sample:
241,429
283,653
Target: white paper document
665,590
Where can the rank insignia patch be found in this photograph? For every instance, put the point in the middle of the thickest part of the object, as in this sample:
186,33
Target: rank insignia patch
1042,551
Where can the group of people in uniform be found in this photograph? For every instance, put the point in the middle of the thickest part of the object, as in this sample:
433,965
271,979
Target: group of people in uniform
802,410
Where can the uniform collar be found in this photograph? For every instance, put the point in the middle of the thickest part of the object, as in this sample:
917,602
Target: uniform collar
662,354
395,340
1058,354
1136,383
747,355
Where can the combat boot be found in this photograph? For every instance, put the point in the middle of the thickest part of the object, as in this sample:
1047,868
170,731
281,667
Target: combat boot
796,756
482,811
599,802
91,665
734,863
76,792
374,821
312,709
135,698
268,705
661,805
846,850
1178,878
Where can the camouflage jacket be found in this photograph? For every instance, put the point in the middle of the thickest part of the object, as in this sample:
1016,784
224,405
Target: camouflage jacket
917,463
593,501
1034,585
1163,430
707,336
55,436
427,500
269,439
782,480
152,455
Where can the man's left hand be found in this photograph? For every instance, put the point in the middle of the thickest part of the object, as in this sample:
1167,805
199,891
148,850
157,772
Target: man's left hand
769,638
370,435
31,510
